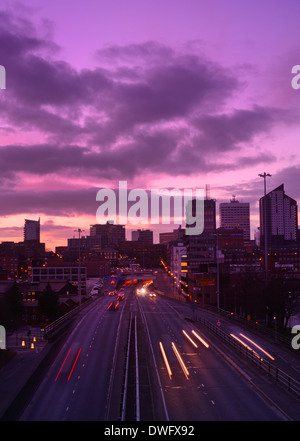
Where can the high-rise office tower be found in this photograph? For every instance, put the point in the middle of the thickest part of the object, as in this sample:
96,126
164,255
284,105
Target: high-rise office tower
235,214
110,233
209,214
278,217
201,247
32,230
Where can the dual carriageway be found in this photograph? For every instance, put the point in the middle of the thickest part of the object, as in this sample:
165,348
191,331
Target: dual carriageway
151,359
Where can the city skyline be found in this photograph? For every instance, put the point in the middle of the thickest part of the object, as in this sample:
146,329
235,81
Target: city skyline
160,95
235,214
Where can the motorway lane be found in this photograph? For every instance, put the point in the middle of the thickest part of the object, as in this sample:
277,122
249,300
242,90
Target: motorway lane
278,354
214,390
85,395
286,359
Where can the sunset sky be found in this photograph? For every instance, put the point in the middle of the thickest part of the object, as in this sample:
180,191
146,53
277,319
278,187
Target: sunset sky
163,93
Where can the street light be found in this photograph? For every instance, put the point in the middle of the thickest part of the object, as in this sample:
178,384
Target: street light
265,175
218,273
79,267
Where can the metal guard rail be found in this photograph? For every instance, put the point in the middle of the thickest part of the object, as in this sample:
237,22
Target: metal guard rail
277,374
52,326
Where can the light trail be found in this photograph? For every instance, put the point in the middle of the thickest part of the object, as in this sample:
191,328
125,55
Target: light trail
62,365
189,338
200,339
165,360
246,346
74,364
251,341
183,366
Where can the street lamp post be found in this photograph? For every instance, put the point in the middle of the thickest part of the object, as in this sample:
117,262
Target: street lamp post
218,273
79,267
265,175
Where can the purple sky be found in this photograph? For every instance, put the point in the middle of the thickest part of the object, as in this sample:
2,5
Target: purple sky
165,93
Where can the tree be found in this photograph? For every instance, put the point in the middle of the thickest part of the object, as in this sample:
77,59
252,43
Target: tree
48,303
281,295
12,307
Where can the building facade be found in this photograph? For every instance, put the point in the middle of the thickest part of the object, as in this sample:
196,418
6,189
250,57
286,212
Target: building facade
143,235
75,275
109,232
235,214
32,230
278,218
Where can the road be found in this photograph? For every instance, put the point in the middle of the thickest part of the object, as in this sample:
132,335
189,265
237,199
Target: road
85,395
87,386
212,390
267,347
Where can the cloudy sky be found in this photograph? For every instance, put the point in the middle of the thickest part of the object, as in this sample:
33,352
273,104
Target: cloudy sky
167,93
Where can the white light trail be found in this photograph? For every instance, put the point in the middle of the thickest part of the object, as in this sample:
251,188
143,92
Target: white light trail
189,338
200,339
251,341
183,366
165,360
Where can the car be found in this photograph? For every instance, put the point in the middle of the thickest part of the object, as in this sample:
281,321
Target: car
111,293
152,294
120,296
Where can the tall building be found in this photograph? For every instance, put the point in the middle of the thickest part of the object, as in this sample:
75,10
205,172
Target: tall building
110,233
142,235
209,215
87,243
201,248
32,230
235,214
279,216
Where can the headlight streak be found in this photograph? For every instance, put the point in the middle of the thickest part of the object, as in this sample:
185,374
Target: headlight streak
183,366
200,339
189,338
244,344
251,341
165,360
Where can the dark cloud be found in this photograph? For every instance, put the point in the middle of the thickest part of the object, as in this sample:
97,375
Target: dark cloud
146,108
49,202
